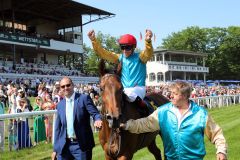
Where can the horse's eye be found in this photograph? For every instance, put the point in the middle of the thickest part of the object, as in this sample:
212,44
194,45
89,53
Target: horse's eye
109,117
101,89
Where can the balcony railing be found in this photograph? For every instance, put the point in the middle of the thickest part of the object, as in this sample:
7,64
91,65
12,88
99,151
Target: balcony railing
188,68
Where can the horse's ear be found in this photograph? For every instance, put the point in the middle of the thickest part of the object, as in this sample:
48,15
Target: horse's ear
102,69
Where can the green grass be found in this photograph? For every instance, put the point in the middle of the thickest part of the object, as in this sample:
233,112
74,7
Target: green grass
227,117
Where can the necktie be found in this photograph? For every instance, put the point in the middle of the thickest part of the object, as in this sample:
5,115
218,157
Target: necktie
70,128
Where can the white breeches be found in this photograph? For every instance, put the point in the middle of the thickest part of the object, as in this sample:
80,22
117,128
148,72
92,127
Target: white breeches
133,92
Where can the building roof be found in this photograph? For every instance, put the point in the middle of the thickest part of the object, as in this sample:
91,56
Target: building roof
52,10
161,50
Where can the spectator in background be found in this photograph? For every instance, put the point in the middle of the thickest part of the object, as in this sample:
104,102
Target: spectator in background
12,100
12,126
39,131
24,139
2,128
12,135
42,90
57,94
48,104
3,96
9,92
21,95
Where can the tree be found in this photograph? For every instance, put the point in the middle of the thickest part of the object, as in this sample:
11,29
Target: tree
223,60
215,59
222,45
190,39
92,60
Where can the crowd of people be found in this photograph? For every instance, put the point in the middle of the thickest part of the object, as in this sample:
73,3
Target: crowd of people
15,98
199,91
40,69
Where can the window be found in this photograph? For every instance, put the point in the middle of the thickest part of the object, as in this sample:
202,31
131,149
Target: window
152,59
152,77
159,57
159,76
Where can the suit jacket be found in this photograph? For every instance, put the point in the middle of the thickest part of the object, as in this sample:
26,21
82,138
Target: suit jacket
83,108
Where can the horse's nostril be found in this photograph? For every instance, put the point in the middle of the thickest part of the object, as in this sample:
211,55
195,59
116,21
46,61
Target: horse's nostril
109,117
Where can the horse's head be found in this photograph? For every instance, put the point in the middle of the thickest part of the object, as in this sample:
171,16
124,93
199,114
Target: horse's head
112,94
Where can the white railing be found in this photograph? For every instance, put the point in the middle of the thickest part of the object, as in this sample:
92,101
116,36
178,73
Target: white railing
22,130
188,68
217,101
26,114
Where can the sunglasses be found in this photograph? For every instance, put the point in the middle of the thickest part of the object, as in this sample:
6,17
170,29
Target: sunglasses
67,85
126,47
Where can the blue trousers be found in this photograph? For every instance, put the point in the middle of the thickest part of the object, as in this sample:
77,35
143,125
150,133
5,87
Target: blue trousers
72,151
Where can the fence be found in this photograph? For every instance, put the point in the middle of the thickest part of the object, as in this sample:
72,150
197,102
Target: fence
18,130
217,101
23,130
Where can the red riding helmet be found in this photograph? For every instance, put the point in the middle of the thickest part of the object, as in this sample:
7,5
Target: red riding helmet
128,39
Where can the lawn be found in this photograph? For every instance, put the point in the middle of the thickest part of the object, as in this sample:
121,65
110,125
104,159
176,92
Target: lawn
227,117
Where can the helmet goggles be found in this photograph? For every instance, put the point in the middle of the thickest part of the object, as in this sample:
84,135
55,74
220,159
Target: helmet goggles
126,47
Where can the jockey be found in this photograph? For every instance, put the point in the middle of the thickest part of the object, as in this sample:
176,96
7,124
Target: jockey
133,64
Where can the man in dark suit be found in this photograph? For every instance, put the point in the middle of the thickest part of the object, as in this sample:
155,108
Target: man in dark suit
73,137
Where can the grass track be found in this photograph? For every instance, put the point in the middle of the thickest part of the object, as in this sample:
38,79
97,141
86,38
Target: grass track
227,117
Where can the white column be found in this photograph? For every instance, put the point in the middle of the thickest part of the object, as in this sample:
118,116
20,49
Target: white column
164,77
203,62
163,58
196,76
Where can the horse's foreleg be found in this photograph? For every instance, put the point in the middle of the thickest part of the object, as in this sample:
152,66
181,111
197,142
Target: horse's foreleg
155,150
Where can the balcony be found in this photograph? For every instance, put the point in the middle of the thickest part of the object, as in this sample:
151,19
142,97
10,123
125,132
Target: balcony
184,68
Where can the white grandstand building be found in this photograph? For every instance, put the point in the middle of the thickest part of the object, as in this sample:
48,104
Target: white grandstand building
43,35
167,65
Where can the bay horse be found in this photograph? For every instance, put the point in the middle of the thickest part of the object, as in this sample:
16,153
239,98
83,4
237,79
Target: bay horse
116,143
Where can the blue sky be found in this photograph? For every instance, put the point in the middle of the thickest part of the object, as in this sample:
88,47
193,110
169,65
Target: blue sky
161,16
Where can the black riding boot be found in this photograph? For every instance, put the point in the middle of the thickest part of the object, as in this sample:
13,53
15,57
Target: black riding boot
141,107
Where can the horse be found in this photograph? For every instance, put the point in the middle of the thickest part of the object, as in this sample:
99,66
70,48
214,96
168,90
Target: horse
120,144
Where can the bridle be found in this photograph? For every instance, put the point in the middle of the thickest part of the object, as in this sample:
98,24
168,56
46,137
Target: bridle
113,122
